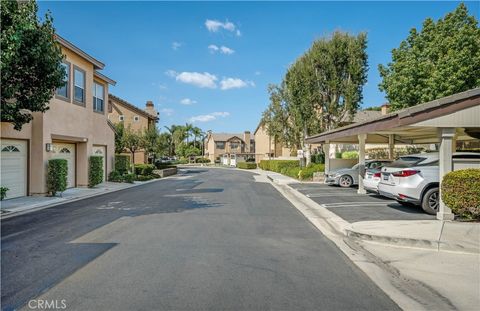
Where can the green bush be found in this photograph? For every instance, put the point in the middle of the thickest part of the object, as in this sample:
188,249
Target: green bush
161,166
307,172
144,177
3,193
144,169
57,176
95,171
181,161
318,158
461,192
292,171
338,155
278,165
129,178
122,163
115,176
202,160
350,155
247,165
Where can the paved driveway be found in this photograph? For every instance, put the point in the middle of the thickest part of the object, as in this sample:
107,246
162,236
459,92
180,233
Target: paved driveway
353,207
209,239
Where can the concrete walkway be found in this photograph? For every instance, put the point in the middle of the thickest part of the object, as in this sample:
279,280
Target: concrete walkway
23,205
429,234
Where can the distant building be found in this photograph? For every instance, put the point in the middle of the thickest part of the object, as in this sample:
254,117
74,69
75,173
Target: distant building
218,145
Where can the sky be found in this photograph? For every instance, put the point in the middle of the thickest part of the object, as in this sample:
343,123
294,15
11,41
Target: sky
209,63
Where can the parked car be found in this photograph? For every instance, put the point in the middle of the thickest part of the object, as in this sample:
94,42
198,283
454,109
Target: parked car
346,177
414,179
372,178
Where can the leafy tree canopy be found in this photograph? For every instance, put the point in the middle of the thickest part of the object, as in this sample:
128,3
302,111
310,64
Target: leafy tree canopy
441,59
30,62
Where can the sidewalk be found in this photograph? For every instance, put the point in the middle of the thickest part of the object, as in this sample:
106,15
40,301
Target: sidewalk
23,205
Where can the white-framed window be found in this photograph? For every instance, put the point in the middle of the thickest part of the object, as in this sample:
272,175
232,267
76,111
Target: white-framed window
98,97
121,117
220,145
64,90
79,85
136,118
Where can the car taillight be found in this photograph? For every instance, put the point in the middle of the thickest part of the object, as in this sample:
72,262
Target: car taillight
377,174
405,173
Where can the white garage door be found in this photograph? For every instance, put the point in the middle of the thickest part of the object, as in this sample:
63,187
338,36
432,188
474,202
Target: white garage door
67,152
14,167
101,151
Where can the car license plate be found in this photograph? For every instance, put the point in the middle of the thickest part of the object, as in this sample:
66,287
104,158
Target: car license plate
385,177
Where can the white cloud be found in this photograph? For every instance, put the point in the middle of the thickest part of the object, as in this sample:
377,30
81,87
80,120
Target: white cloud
176,45
199,79
188,101
166,111
209,117
234,83
215,25
257,73
238,33
226,50
222,49
213,48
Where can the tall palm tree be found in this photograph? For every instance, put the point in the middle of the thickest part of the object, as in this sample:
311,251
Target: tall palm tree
197,132
171,130
188,130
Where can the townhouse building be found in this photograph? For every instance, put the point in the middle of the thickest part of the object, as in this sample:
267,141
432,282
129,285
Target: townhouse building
218,145
120,110
74,128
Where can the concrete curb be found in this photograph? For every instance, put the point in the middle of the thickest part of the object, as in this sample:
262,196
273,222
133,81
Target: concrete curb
39,207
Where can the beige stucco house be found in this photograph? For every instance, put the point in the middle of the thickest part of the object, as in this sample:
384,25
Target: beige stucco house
220,144
74,128
119,110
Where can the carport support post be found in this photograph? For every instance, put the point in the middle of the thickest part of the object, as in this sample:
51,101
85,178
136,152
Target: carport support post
361,162
391,146
445,165
326,152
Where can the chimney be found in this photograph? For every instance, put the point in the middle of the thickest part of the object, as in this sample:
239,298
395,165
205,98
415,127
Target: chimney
385,109
246,139
150,108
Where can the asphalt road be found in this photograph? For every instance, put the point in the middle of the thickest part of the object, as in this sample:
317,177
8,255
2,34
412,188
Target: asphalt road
209,239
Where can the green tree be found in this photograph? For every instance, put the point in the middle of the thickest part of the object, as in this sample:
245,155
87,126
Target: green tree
119,137
196,132
31,60
441,59
133,141
149,142
188,130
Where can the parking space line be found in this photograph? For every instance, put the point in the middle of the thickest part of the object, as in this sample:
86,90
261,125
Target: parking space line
320,195
360,203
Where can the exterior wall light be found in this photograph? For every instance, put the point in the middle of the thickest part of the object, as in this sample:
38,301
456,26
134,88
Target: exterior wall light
48,147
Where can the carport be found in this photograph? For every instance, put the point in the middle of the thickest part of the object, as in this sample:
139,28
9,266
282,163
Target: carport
443,121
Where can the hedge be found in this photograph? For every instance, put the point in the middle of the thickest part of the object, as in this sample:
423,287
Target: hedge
122,163
202,160
95,171
278,165
247,165
307,172
144,169
350,155
461,192
57,171
115,176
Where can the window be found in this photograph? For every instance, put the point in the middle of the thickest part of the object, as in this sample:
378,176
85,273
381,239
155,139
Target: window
220,145
121,117
98,97
79,85
234,145
136,118
64,90
10,149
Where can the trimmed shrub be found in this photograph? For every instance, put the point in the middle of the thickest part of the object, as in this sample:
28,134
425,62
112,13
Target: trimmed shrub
247,165
292,172
202,160
129,178
57,171
122,163
350,155
278,165
318,158
181,161
95,171
115,176
144,169
338,155
307,172
3,193
461,192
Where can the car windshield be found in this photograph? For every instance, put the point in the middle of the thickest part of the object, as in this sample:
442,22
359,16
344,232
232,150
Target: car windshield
406,161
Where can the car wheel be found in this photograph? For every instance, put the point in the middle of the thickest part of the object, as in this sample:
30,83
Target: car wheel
345,181
430,201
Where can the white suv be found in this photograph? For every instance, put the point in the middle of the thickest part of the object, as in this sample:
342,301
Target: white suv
414,179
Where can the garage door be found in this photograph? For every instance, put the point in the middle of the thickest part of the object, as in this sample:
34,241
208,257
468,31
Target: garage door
101,151
67,152
14,167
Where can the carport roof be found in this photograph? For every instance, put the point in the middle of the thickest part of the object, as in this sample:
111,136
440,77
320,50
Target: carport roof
410,125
